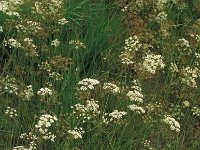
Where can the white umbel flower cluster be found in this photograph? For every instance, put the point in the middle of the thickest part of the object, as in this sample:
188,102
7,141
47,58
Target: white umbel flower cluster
32,138
196,111
30,47
137,109
152,63
162,16
27,93
55,43
11,112
174,125
20,148
12,43
11,85
184,44
43,125
136,95
77,44
161,4
190,75
132,45
125,8
88,84
113,88
87,111
76,133
44,92
62,21
117,115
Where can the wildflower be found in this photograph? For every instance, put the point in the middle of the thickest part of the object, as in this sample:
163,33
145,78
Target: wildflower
76,133
11,85
189,75
111,87
147,144
30,47
87,111
11,112
44,92
196,37
117,115
77,44
125,8
161,4
55,43
137,109
136,94
184,44
27,93
33,26
196,111
152,63
4,6
56,76
132,44
162,16
174,125
11,13
62,21
88,83
20,148
153,107
44,123
45,66
28,136
186,104
49,136
12,43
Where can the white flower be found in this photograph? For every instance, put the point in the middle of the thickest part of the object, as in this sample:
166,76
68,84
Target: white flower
76,133
117,115
44,92
44,123
11,112
62,21
174,125
88,84
186,104
55,43
12,43
152,63
190,75
162,16
184,44
111,87
136,95
87,111
77,44
137,109
196,111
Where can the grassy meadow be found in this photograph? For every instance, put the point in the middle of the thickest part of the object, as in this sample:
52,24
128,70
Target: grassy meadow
99,75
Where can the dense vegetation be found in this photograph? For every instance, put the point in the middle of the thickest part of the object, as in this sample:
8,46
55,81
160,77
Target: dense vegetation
99,74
